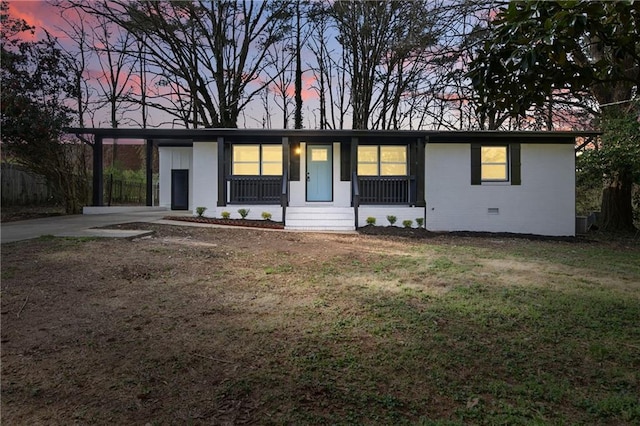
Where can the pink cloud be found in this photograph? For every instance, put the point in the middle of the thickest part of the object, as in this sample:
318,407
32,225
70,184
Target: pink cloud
308,81
39,14
308,93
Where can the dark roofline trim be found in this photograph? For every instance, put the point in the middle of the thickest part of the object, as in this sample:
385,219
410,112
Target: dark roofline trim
185,137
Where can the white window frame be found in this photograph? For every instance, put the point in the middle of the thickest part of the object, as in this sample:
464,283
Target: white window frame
506,164
379,161
261,162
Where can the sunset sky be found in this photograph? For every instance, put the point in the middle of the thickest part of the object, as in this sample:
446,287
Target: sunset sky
43,15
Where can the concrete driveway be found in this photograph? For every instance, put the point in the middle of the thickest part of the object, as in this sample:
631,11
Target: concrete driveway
80,225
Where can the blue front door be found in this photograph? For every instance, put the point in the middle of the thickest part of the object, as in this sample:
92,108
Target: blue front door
319,173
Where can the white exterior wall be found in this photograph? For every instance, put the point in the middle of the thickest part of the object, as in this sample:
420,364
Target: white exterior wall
170,158
255,211
543,204
205,177
297,189
381,212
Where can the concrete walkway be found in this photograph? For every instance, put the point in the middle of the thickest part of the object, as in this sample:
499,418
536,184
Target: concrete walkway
81,225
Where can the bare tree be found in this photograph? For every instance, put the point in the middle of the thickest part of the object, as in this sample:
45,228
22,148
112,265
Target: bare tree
298,73
142,82
281,55
213,52
388,51
113,48
330,73
78,56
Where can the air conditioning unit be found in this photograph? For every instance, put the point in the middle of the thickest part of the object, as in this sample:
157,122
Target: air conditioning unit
581,225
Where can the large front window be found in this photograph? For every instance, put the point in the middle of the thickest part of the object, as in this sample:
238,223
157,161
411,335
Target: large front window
257,160
382,174
382,160
256,174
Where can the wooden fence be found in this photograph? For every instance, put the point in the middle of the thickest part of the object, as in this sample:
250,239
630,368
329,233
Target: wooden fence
22,188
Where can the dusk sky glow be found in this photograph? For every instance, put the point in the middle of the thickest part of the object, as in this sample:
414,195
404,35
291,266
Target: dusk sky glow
409,84
44,15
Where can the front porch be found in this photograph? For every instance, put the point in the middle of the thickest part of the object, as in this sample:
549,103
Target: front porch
319,183
375,196
324,217
400,190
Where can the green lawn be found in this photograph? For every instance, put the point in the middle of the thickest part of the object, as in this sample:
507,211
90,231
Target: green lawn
366,330
524,343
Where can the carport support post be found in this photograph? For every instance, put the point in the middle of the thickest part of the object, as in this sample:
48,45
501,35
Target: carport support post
97,172
149,165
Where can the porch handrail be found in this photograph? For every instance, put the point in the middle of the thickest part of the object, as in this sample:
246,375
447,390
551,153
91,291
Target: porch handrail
355,187
254,189
284,195
386,189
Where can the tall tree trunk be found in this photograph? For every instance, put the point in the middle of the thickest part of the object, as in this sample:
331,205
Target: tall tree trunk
616,214
298,83
617,208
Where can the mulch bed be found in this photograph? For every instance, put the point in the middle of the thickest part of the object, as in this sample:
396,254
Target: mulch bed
269,224
393,231
424,233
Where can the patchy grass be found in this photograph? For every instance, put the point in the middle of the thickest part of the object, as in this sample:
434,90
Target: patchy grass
231,326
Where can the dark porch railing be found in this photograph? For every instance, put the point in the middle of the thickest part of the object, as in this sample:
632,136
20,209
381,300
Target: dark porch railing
255,189
127,192
387,189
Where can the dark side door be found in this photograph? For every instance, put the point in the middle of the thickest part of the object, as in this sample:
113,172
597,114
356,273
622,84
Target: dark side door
179,189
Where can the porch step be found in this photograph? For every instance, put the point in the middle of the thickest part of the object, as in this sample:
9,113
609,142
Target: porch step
326,218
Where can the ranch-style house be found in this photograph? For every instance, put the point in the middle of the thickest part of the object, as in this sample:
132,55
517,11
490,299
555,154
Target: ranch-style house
487,181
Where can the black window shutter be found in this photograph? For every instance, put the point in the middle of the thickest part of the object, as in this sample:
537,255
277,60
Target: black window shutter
345,161
476,175
515,164
294,161
412,153
228,159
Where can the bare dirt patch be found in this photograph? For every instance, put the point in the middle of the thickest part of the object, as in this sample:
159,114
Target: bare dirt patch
233,326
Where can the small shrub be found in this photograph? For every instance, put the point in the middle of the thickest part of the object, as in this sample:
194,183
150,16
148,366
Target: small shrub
243,213
392,219
371,220
407,223
225,215
420,221
200,211
266,215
